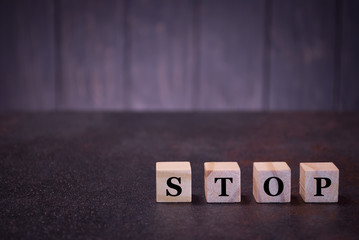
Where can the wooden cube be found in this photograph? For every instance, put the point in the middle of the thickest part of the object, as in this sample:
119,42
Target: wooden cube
271,182
319,182
222,182
173,182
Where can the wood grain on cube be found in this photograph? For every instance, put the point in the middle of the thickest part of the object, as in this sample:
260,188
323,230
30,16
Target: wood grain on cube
262,171
181,171
312,174
216,174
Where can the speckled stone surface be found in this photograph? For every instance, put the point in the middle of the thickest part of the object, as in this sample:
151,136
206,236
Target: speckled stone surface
93,175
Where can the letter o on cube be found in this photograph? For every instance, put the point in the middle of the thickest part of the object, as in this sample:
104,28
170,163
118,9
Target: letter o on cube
271,182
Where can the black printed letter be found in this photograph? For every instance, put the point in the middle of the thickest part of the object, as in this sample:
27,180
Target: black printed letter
174,186
223,185
319,185
280,186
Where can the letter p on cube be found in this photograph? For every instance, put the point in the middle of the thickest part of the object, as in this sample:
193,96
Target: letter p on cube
319,182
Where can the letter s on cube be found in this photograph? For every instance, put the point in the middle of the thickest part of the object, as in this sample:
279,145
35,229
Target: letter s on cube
319,182
173,182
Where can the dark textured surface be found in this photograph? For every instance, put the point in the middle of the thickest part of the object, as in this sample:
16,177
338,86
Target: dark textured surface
92,175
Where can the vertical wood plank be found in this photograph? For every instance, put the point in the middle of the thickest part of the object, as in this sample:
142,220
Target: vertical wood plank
350,56
91,54
302,70
161,58
26,55
231,54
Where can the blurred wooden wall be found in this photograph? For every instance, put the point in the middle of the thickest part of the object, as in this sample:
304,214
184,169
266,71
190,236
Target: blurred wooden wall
179,55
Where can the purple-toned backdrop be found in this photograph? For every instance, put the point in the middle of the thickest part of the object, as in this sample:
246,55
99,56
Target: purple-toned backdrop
179,55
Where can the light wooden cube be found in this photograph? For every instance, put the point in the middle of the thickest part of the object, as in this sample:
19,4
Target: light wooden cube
271,182
173,182
314,183
222,182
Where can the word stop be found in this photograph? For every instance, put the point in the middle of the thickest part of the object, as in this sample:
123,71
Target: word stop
319,182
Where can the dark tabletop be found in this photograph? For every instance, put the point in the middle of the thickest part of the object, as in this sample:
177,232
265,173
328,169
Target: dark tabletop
92,175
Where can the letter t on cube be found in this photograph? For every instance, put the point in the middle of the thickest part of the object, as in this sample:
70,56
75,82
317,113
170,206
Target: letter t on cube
222,182
173,182
271,182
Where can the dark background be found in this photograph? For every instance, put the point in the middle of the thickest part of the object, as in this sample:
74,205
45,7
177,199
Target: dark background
179,55
85,175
